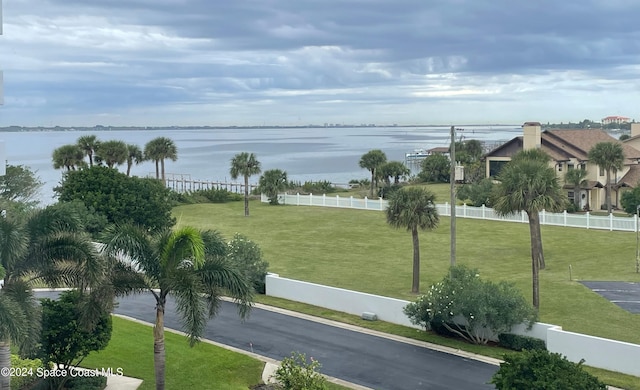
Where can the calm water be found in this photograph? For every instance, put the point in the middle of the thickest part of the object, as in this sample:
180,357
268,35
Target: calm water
305,154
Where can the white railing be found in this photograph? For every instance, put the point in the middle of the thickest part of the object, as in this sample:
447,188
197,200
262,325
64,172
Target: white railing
585,221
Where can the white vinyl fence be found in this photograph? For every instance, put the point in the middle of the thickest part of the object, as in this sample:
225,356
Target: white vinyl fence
597,352
585,221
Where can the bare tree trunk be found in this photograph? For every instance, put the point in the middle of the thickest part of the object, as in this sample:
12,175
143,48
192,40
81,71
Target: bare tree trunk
533,221
158,347
415,287
5,361
246,195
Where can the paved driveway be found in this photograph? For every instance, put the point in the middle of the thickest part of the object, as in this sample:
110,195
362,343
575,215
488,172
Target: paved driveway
368,360
624,294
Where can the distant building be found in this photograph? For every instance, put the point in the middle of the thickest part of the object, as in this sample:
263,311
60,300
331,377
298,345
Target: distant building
615,119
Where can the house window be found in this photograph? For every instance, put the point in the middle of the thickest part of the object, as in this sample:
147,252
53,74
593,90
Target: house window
570,166
571,196
495,167
601,171
583,166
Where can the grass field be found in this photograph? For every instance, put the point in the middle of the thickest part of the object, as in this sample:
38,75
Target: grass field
356,249
204,366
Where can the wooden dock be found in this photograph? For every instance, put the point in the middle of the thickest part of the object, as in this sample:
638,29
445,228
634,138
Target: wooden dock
183,183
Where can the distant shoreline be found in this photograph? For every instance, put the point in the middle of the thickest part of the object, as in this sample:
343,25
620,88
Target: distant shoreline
151,128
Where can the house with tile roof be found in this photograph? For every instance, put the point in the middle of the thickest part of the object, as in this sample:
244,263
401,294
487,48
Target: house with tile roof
569,149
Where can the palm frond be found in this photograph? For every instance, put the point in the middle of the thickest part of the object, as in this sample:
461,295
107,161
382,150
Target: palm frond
186,289
219,275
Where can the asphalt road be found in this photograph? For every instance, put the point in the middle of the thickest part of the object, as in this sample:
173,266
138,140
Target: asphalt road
368,360
624,294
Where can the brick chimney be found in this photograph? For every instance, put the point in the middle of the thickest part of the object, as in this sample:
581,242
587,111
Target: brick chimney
635,129
532,135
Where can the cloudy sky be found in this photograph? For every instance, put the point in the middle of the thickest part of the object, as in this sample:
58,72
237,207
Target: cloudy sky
296,62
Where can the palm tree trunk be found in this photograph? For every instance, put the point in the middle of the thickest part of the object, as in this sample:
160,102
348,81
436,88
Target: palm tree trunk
162,167
536,244
608,192
5,361
158,346
373,178
541,263
129,169
415,287
246,195
157,170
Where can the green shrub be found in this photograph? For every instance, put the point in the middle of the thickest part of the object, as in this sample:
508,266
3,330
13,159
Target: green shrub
520,343
320,187
474,309
27,366
213,195
87,383
296,373
542,370
247,256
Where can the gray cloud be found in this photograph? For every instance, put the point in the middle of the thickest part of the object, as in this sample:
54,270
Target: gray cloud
359,59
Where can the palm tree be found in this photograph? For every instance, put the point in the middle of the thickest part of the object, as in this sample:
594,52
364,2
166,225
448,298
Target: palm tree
395,170
112,153
608,156
245,164
528,184
575,178
178,263
68,157
371,161
88,144
134,156
413,208
159,149
49,247
272,182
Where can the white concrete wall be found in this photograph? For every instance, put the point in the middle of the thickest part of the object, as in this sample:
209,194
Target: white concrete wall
346,301
597,352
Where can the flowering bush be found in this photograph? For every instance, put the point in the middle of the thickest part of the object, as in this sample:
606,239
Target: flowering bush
247,255
472,308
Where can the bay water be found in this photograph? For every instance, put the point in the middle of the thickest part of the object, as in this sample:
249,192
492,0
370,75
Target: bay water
314,154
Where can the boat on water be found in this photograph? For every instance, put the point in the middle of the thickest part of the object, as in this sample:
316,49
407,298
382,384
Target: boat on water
416,154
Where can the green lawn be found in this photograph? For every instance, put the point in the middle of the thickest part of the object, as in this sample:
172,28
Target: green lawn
204,366
356,249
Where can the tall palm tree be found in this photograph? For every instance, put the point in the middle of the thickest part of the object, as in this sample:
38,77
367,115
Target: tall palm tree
68,157
48,247
177,263
371,161
575,178
245,164
272,182
88,144
158,150
413,208
134,156
528,184
608,156
112,153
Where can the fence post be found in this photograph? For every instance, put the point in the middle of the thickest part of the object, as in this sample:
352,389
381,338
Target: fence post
380,200
483,209
310,199
297,199
338,201
324,199
611,221
366,207
544,216
464,210
587,219
351,201
564,214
